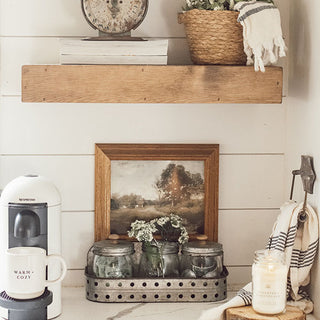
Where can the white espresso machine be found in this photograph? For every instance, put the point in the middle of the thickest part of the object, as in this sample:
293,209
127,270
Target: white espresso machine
30,216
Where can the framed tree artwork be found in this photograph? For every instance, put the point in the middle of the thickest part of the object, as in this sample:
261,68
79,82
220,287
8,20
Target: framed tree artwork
145,181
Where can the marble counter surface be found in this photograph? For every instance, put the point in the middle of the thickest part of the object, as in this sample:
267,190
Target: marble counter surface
76,306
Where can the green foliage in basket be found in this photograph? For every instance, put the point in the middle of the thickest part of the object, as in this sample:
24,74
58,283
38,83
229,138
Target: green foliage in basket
214,4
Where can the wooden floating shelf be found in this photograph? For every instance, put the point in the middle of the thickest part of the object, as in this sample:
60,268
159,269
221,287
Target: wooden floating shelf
150,84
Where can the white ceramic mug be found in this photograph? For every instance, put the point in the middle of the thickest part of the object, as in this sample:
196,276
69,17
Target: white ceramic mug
26,272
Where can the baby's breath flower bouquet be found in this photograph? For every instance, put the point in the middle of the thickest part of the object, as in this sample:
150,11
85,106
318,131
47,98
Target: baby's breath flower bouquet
143,231
171,229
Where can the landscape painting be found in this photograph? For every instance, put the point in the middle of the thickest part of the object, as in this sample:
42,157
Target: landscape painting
145,189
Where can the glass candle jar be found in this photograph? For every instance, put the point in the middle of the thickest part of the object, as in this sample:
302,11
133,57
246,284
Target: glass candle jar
111,259
201,259
159,261
269,282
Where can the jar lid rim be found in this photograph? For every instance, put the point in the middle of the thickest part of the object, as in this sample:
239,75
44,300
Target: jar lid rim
203,247
113,247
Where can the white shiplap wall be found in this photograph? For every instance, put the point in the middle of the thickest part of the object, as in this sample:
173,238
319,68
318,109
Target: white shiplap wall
303,112
57,140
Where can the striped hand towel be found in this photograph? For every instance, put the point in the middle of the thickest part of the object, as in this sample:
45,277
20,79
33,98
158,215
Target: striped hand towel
299,242
262,34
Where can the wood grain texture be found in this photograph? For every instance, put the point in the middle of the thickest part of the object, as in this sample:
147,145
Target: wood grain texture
105,153
18,51
247,313
150,84
102,194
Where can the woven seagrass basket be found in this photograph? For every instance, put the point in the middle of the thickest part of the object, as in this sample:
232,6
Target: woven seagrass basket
214,37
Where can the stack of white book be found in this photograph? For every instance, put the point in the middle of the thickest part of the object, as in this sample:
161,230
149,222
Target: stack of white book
81,51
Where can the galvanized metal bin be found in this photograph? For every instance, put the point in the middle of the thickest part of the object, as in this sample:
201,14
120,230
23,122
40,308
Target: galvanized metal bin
156,289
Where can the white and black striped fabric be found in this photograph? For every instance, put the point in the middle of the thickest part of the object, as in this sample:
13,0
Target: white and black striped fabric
299,241
246,296
262,33
252,7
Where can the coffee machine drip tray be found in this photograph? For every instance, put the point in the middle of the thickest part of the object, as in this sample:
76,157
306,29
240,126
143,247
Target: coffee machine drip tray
26,309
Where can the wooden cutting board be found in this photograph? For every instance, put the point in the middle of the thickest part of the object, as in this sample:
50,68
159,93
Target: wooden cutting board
247,313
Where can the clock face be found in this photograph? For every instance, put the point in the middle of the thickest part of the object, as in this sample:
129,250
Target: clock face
114,16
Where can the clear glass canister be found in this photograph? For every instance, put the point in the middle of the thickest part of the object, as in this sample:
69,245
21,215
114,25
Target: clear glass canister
269,282
201,259
111,259
159,261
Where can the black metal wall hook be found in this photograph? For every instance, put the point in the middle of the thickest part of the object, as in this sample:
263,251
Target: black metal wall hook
308,177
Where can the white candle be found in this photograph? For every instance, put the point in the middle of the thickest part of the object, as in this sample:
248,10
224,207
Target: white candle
269,282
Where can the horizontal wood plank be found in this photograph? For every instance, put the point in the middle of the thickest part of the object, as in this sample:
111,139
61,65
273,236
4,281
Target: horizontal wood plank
238,129
262,179
79,237
242,232
238,277
74,278
243,181
72,175
150,84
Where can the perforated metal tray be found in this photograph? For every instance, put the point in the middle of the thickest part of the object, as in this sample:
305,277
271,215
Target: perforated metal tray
156,289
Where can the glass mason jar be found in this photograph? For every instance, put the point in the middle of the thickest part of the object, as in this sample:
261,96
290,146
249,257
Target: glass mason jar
111,259
201,259
269,282
159,261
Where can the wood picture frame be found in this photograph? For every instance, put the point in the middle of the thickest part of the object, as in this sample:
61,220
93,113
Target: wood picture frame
208,154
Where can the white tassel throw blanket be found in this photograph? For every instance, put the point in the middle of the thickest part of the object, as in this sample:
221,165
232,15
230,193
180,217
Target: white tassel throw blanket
262,34
299,242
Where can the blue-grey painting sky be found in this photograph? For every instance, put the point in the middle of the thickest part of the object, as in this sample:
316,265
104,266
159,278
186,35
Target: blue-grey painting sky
138,177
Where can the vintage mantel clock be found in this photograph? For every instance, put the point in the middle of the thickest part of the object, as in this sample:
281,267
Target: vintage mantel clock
114,18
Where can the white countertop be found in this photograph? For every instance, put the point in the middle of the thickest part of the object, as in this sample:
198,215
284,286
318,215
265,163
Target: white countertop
76,306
